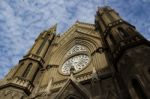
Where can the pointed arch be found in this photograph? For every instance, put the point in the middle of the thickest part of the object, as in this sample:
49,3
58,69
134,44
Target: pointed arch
90,44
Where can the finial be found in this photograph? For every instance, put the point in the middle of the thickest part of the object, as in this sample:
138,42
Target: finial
77,21
47,90
53,28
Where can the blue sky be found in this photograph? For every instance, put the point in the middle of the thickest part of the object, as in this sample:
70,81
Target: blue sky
21,21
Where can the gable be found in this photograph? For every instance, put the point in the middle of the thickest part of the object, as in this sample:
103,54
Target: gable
73,89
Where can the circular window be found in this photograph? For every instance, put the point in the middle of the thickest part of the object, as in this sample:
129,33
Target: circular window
78,62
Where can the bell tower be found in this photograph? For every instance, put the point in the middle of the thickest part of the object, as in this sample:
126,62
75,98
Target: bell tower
22,78
129,53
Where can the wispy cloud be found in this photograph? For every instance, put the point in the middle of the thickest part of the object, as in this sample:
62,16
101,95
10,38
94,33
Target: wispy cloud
21,21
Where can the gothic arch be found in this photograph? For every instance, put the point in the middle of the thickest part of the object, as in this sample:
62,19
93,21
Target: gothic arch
85,41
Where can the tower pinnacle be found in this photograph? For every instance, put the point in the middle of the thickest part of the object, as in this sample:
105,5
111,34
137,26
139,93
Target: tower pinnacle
53,28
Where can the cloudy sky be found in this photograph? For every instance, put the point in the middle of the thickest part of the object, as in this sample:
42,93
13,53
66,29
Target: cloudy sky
21,21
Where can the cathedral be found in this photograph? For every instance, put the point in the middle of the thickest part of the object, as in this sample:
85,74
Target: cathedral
109,59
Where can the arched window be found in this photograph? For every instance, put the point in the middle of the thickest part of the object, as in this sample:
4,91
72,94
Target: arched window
138,89
27,70
123,33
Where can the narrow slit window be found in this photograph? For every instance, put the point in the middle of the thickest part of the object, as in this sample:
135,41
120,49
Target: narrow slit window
27,70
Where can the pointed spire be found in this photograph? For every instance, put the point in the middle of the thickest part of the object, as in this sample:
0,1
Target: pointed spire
53,28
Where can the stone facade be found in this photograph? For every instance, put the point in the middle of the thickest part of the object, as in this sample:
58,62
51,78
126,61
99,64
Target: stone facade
105,60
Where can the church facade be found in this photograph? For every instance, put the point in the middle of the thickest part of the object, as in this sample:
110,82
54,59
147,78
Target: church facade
106,60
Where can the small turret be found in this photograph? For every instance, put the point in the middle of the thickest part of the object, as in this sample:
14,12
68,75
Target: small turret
43,41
